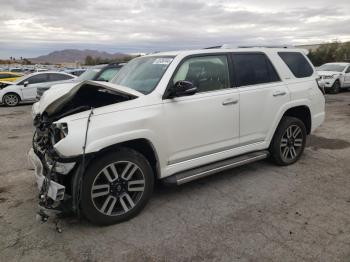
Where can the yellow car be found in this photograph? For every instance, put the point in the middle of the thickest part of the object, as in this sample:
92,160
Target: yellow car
9,76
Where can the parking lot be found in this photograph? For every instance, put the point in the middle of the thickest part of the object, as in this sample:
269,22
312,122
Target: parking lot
259,212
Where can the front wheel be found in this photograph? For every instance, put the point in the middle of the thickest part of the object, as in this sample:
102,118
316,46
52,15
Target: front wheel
289,141
116,187
336,87
11,99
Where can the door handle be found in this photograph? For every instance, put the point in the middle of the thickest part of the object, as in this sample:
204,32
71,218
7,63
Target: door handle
230,102
279,93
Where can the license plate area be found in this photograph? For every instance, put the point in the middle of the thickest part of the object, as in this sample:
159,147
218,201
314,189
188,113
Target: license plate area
55,191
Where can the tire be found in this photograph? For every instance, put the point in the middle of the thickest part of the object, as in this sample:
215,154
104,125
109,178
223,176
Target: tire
336,87
288,142
11,99
108,198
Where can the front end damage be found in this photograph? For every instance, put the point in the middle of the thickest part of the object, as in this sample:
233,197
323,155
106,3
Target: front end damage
59,178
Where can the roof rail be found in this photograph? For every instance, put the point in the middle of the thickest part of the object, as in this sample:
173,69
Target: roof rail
214,47
267,46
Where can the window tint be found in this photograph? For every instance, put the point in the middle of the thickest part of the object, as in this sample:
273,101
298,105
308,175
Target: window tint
207,73
348,70
2,76
59,77
297,63
252,69
107,74
41,78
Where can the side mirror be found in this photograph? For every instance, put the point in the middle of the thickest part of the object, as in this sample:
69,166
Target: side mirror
182,88
26,83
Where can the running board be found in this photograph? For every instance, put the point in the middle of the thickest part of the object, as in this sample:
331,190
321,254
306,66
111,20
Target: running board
207,170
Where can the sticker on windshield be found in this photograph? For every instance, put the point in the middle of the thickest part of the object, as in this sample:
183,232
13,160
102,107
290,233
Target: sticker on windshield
163,61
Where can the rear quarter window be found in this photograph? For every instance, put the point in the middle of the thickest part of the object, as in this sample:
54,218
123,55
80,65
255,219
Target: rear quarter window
297,63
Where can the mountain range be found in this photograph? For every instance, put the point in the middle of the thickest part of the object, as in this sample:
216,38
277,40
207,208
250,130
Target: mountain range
74,55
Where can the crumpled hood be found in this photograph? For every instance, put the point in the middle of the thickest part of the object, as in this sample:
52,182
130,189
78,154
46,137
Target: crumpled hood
328,73
55,98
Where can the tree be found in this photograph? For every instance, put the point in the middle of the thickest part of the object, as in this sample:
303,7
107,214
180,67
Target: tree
331,52
89,60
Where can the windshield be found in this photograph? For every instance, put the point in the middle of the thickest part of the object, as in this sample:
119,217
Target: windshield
331,67
21,79
88,74
108,74
143,74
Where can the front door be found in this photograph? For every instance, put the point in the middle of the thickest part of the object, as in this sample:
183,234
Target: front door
347,77
33,82
207,122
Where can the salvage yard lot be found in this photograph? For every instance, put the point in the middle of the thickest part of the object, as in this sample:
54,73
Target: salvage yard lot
259,212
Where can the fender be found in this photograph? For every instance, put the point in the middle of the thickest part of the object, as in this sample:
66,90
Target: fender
282,111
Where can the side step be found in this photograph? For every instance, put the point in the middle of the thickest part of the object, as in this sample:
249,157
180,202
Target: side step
207,170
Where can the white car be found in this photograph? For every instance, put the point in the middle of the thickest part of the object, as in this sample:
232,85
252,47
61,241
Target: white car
335,76
25,88
175,117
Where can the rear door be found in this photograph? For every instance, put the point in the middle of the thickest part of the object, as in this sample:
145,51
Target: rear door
262,94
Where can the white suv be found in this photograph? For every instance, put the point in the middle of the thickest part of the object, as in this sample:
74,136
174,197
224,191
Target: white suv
175,117
335,76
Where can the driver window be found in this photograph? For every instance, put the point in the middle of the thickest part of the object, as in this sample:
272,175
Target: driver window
207,73
348,70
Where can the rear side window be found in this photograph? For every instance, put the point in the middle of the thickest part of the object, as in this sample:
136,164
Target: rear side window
59,77
297,63
253,69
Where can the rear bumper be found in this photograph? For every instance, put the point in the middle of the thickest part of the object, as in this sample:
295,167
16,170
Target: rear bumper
317,120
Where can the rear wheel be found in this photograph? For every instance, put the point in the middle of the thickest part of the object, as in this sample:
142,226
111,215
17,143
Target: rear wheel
289,141
11,99
116,187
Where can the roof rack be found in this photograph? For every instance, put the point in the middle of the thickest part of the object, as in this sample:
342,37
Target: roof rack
267,46
227,46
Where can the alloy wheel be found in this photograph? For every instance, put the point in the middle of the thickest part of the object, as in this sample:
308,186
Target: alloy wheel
11,100
117,188
291,143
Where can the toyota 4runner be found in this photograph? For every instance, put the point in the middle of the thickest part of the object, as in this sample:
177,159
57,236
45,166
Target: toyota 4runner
99,147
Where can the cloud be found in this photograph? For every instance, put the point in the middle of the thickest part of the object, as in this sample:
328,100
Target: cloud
33,26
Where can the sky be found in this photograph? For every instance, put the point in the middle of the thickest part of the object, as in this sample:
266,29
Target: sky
30,28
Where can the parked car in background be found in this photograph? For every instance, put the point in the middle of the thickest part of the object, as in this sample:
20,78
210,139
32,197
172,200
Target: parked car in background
25,88
96,73
9,76
16,70
334,76
175,117
76,72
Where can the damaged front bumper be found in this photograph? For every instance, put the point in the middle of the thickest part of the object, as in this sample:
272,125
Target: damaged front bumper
52,180
55,190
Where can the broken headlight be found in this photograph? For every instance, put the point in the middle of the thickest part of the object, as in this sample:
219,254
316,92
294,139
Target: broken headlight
60,131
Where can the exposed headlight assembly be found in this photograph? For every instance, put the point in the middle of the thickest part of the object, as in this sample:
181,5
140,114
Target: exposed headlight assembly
60,131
